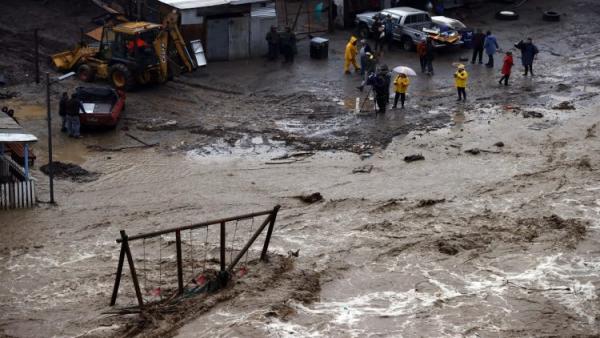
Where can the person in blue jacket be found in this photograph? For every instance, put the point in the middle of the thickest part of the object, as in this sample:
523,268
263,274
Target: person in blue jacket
491,46
528,52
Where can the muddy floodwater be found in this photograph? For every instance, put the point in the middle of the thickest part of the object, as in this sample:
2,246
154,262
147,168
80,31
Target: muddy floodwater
494,232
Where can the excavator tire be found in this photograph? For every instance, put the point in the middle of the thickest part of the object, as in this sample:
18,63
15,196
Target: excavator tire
121,77
85,73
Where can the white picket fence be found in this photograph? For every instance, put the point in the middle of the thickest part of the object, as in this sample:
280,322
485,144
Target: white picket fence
15,194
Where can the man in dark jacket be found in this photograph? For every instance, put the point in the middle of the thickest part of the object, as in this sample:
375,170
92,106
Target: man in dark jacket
73,108
422,53
62,111
528,52
288,44
273,41
478,40
429,50
389,31
381,86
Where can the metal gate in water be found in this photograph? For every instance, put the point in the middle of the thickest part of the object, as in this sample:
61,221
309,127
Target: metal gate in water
225,267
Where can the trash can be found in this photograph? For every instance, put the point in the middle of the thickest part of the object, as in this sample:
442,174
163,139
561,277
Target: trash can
319,48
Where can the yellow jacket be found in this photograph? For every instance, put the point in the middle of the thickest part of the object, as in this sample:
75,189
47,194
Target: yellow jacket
351,49
460,79
401,84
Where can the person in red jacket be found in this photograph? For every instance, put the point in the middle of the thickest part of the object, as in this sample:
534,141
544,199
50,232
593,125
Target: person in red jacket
506,67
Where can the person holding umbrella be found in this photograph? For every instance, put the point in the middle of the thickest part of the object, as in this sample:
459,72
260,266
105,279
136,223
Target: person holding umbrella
401,84
460,80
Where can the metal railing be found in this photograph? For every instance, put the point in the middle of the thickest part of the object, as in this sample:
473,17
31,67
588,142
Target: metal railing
225,269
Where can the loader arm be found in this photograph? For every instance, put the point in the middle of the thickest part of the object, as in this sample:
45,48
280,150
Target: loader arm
170,24
160,47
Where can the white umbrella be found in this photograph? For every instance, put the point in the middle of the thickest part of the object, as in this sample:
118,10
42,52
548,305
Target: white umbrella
405,70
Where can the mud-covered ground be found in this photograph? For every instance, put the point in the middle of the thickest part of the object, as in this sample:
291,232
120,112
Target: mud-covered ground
480,238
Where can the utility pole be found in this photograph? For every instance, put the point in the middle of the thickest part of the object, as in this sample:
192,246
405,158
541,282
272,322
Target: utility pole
50,164
37,55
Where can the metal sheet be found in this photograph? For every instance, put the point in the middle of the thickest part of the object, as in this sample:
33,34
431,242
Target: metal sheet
17,137
239,38
217,39
187,4
198,51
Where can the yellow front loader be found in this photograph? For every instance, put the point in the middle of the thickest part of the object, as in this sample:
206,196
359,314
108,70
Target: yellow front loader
130,54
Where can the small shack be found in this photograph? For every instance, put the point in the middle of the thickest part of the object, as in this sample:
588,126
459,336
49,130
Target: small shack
228,29
17,187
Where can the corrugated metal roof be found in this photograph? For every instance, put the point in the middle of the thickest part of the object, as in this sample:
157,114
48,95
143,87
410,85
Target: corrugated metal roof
11,131
188,4
20,138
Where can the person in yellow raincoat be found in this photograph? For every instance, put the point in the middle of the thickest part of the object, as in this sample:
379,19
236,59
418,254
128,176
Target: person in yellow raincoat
400,86
350,55
460,80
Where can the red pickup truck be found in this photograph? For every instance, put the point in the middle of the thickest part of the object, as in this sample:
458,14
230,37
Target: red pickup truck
103,106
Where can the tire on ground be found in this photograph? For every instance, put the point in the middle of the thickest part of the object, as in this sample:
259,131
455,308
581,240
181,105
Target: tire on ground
121,77
507,15
551,16
85,73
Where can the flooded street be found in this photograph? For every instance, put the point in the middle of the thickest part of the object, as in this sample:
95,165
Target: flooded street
495,232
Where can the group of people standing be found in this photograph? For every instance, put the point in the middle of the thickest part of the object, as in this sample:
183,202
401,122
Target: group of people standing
281,43
380,80
69,109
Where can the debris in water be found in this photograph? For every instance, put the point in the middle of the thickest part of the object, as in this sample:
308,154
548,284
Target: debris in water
291,158
591,131
429,202
293,253
584,164
311,198
412,158
474,151
533,114
562,87
447,248
565,105
8,95
157,124
499,144
364,156
70,171
364,169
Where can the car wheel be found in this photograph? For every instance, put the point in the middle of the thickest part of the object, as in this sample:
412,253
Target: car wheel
507,15
407,44
85,73
551,16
